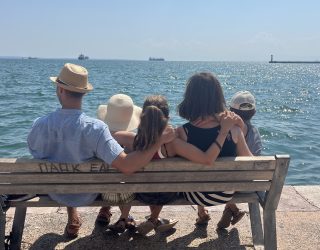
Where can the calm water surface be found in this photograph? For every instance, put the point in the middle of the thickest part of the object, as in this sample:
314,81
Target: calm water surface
288,100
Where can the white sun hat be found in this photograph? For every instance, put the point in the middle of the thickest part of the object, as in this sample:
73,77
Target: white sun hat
120,113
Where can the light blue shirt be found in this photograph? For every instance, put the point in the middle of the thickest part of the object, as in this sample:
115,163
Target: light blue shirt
70,136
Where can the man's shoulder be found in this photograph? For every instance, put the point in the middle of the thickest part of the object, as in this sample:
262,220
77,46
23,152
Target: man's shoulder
91,120
41,120
92,124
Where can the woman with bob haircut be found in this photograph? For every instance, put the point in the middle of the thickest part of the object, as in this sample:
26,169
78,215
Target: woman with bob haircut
205,109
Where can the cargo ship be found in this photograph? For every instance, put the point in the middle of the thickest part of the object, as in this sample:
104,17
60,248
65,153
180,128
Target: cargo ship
83,57
156,59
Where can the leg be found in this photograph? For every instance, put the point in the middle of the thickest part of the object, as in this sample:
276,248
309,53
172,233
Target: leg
256,226
17,227
270,233
74,222
203,216
104,216
125,210
155,212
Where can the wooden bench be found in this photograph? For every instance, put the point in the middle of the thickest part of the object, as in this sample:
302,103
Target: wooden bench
261,177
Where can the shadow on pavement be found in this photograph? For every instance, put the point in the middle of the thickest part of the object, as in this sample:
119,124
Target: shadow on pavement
102,239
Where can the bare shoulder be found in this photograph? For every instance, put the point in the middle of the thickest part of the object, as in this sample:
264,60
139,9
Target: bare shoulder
124,134
124,138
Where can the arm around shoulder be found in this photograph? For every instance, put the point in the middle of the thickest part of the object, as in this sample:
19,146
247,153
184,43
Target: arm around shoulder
132,162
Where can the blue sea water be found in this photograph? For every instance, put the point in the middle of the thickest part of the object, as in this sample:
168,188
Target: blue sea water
288,100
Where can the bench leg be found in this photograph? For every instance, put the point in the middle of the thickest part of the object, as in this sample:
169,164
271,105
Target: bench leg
270,233
17,227
2,228
256,225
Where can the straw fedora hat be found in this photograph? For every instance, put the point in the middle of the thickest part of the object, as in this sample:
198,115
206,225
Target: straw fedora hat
120,114
73,78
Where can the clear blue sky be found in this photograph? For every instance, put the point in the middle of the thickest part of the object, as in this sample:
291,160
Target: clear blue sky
233,30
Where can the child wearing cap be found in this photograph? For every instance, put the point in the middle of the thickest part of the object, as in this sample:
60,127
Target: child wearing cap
243,104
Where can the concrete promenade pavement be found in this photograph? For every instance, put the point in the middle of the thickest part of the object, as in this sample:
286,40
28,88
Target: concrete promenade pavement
298,227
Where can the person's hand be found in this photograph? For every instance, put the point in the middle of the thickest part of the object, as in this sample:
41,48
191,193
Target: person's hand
227,120
168,134
239,122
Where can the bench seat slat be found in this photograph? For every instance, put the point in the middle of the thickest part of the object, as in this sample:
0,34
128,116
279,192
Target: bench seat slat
45,201
169,176
135,187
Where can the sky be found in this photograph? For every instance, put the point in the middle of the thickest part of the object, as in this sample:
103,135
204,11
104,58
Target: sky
177,30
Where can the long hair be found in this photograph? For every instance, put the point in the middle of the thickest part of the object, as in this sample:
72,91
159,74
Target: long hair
203,97
153,120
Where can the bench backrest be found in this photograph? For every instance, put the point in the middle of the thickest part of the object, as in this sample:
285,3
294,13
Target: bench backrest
259,173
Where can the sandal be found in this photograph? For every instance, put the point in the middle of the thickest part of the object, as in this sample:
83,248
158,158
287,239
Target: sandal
104,216
159,225
131,223
118,227
122,224
163,225
237,217
72,228
204,219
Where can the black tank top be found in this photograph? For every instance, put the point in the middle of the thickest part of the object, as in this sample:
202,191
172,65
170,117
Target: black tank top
202,138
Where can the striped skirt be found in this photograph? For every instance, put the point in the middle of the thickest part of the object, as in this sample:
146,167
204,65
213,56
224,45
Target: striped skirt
208,198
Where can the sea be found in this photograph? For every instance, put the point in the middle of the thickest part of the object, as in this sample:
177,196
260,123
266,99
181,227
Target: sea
287,96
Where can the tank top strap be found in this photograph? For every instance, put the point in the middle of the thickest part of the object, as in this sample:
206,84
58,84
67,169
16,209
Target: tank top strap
186,127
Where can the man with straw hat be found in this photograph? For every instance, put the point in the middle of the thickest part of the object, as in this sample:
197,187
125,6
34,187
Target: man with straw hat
68,135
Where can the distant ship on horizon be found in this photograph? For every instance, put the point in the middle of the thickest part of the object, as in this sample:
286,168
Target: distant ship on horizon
83,57
156,59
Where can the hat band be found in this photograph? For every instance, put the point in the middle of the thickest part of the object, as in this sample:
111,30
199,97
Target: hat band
61,82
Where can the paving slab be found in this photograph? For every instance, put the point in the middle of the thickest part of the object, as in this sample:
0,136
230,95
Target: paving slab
310,193
291,200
